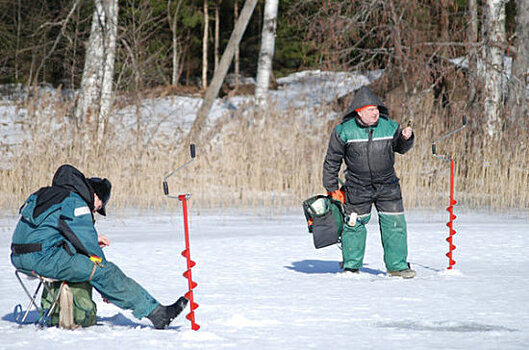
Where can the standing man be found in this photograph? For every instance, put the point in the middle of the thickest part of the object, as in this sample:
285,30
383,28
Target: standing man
367,141
56,238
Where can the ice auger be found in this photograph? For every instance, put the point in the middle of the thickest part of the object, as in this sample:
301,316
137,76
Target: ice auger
450,209
186,253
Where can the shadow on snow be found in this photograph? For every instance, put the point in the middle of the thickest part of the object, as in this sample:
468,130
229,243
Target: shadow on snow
324,266
117,320
445,326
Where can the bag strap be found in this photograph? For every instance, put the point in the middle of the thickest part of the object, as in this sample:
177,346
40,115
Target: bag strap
339,204
308,207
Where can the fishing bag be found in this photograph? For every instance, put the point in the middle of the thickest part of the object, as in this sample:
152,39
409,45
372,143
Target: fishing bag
84,308
324,219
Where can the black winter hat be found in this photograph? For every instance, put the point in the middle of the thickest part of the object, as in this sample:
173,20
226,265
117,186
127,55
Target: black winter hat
102,188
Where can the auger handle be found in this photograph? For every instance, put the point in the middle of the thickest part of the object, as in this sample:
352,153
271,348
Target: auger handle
434,144
192,152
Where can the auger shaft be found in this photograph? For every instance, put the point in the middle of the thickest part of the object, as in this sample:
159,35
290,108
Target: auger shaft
450,224
190,263
450,209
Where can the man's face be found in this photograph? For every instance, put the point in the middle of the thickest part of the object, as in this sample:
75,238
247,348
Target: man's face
369,116
98,204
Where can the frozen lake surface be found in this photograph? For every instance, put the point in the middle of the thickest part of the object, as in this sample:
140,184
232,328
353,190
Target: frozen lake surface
262,285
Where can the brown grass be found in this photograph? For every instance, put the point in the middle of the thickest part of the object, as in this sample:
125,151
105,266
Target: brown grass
271,163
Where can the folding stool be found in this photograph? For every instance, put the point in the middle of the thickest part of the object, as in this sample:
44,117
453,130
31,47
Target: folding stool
43,281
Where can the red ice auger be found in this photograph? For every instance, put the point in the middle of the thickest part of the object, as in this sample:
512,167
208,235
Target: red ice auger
186,252
450,209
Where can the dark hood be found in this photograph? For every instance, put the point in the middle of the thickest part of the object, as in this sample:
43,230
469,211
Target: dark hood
73,180
363,97
67,179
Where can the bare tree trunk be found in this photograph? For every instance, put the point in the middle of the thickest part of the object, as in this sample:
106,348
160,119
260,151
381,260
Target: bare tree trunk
188,69
107,93
173,19
96,93
494,37
205,47
176,68
236,17
19,24
472,34
397,42
73,63
88,100
224,65
266,54
217,31
518,83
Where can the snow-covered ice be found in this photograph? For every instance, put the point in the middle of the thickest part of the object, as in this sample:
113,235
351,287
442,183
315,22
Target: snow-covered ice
262,285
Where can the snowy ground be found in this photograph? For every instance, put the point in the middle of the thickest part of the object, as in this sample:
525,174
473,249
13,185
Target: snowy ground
262,285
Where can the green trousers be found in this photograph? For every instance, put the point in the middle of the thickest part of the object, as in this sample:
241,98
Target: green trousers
109,280
394,241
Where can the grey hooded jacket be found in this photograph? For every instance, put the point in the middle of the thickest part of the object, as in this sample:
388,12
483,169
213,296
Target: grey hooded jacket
368,151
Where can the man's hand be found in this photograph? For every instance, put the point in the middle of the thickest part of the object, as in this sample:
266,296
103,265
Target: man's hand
407,132
338,195
103,241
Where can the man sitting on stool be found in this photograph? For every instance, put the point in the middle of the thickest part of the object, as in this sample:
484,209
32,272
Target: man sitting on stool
56,238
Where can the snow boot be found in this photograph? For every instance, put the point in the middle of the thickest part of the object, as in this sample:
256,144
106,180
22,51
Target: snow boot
406,273
348,270
162,316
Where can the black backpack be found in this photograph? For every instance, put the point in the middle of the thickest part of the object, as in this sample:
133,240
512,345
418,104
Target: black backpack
325,218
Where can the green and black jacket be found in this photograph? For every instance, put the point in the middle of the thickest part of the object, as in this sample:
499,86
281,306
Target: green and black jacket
368,151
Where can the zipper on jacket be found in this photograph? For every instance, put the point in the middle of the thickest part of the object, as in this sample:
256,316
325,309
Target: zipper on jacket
369,144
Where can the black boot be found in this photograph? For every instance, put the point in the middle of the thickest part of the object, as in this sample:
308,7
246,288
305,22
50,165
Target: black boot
163,315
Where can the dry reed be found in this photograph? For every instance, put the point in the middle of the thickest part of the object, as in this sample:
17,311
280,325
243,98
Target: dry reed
273,162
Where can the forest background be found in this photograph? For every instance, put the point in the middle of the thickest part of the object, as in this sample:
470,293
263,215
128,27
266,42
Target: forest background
441,60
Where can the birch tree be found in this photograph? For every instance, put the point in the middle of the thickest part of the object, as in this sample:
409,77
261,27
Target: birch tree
173,23
205,47
472,37
236,59
96,93
493,52
217,33
518,82
266,53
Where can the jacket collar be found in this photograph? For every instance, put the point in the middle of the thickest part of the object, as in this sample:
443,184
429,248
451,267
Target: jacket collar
362,125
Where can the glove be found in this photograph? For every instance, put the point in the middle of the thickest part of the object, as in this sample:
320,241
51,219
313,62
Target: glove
339,195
